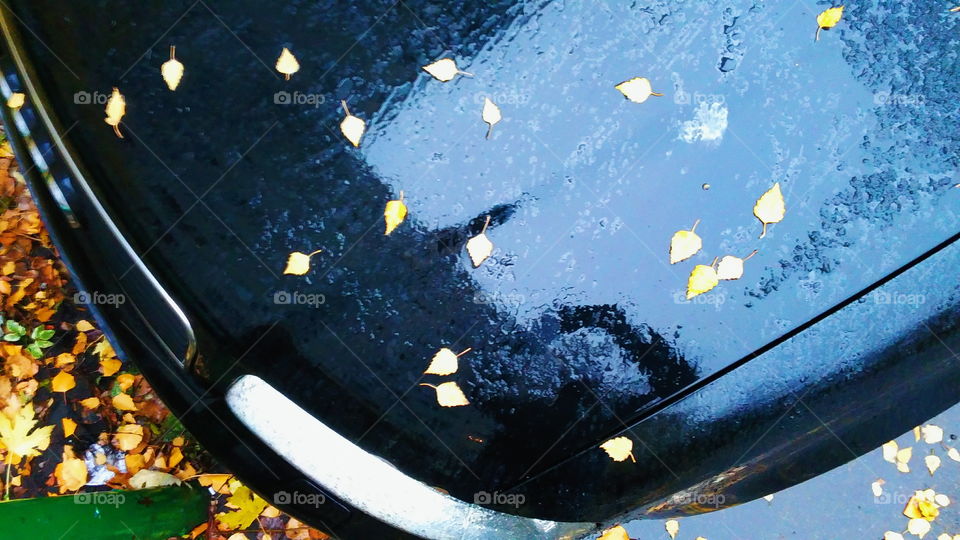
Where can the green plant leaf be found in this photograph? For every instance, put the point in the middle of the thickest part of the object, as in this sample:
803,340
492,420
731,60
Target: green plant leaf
45,335
34,350
11,337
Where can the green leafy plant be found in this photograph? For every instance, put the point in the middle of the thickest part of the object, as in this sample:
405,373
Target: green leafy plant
39,337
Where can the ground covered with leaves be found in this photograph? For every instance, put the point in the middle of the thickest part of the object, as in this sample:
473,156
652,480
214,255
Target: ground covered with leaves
76,418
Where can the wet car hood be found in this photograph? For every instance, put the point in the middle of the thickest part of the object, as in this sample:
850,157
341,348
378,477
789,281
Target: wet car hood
577,323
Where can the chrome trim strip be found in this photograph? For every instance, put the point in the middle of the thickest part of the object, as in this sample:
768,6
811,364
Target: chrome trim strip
36,100
370,483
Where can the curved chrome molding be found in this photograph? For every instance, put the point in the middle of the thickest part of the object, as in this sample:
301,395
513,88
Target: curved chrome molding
36,100
370,483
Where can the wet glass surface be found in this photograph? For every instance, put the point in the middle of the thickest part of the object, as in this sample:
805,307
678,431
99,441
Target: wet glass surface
578,322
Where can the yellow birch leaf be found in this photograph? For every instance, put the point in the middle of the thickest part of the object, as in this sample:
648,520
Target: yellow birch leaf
90,402
932,462
685,244
828,19
176,456
146,479
673,527
125,381
637,89
287,63
916,434
351,126
63,382
491,115
216,482
69,427
480,247
444,70
19,437
116,108
16,100
619,449
890,450
918,527
71,472
128,436
890,535
394,214
770,208
904,455
110,366
172,70
134,462
703,278
298,263
615,533
932,434
877,487
84,326
449,394
953,454
730,268
444,362
123,402
270,512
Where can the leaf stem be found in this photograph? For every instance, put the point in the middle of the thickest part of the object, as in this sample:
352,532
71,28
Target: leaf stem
465,351
314,253
764,232
343,103
658,94
748,257
485,225
464,73
173,52
426,384
694,228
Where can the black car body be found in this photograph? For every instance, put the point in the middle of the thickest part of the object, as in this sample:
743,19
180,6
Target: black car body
839,336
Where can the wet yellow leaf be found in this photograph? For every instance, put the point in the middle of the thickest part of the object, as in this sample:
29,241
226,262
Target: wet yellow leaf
444,70
703,278
904,455
176,456
877,487
449,394
19,437
351,126
125,381
918,527
619,449
123,402
128,436
90,402
828,19
394,214
730,268
916,434
69,427
673,527
932,434
217,482
110,366
172,70
953,454
287,63
491,115
298,263
768,498
145,479
16,100
890,450
932,462
116,108
637,89
685,244
71,472
444,362
890,535
770,208
63,382
480,247
270,512
941,500
614,533
84,326
248,506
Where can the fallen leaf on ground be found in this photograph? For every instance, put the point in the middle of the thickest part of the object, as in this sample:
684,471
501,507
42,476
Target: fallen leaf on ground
351,126
63,382
770,208
287,63
637,89
19,437
444,70
685,244
394,214
449,394
619,449
172,70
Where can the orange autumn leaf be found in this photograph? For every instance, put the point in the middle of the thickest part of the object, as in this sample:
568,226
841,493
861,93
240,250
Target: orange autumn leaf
80,345
90,402
125,381
84,326
63,382
110,366
71,473
128,437
69,427
123,402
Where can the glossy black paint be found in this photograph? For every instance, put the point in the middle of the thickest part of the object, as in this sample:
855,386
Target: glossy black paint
577,324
